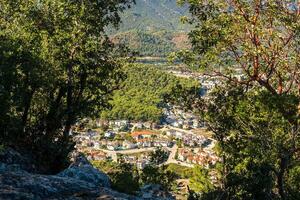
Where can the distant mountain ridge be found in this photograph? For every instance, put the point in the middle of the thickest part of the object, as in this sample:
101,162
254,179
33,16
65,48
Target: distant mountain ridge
151,15
153,28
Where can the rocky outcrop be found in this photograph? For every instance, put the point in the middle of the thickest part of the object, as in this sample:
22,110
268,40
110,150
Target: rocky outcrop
13,158
81,169
78,182
154,191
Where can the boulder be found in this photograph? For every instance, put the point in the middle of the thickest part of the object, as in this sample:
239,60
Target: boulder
155,191
79,182
81,169
23,161
23,185
17,184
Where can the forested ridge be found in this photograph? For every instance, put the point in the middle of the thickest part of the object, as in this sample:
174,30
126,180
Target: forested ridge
145,92
153,15
153,28
156,43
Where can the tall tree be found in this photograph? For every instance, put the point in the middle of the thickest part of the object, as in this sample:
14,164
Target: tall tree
58,65
248,42
257,142
254,44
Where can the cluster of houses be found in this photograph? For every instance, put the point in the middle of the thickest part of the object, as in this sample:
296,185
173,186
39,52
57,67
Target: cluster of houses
150,139
96,155
177,118
89,139
207,84
140,161
140,139
198,156
125,125
188,139
93,144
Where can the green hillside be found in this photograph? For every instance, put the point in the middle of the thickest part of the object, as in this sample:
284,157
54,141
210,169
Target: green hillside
153,28
152,15
153,43
144,92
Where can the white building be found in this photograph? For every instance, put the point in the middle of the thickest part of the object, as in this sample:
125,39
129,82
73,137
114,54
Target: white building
129,145
109,134
111,147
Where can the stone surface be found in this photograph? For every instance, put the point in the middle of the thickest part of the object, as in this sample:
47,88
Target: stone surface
17,184
79,182
81,169
154,191
11,157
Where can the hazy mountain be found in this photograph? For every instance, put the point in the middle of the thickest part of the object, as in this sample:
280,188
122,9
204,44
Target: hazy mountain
153,27
153,15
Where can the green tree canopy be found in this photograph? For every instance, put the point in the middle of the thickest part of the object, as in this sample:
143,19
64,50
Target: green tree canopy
57,64
257,142
158,175
247,42
254,44
158,156
145,91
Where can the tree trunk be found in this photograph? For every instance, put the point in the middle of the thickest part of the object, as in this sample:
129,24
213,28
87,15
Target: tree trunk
27,105
69,117
52,118
280,177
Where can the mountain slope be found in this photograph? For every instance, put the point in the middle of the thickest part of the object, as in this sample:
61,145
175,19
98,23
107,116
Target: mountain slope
153,28
157,43
153,15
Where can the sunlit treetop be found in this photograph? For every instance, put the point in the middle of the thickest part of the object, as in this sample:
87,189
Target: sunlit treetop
247,41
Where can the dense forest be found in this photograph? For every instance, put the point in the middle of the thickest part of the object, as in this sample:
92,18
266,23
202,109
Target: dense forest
145,92
158,43
153,28
153,15
253,46
57,64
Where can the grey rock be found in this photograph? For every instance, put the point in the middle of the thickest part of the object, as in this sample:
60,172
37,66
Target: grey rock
22,185
155,192
23,161
81,169
79,182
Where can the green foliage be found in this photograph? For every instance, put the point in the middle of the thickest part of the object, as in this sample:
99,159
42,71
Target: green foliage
158,175
180,171
293,182
179,143
57,65
124,177
2,148
257,141
253,44
143,93
246,41
152,43
158,156
200,183
200,180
